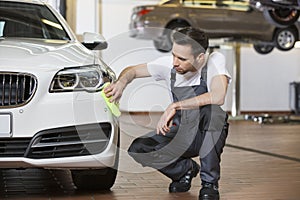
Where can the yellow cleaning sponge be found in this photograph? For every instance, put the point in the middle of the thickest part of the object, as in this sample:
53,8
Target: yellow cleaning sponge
114,108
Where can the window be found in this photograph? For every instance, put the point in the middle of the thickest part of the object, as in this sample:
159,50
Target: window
198,2
1,28
30,21
229,4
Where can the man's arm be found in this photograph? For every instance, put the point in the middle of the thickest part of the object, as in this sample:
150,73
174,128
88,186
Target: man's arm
115,90
216,95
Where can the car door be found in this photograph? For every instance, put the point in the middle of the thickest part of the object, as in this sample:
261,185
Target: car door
207,15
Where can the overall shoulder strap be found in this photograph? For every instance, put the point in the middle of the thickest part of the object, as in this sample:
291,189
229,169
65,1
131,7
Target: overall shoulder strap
173,78
204,72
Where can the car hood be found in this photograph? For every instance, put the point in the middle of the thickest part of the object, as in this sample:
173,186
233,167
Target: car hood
42,55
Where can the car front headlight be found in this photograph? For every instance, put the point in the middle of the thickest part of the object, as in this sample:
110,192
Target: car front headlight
86,78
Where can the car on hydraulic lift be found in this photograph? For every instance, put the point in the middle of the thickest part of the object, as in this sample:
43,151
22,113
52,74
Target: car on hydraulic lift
235,20
52,114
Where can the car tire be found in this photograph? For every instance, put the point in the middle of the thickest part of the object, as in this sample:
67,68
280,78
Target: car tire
164,42
285,38
263,48
97,179
282,17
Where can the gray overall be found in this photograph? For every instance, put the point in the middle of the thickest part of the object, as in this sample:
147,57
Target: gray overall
197,132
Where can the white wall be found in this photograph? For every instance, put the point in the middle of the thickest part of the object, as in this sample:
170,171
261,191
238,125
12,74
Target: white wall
87,16
144,94
264,78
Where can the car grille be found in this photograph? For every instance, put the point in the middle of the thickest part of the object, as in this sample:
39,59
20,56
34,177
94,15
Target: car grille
61,142
70,141
16,89
13,147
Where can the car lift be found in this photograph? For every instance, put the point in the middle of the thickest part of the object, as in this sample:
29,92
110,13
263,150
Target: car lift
236,46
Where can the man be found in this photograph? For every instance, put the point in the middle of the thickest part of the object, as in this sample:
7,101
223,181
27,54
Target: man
193,124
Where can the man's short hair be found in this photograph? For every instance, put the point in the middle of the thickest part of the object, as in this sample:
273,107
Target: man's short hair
191,36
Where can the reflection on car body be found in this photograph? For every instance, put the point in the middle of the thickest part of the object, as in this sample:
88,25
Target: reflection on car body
238,20
51,112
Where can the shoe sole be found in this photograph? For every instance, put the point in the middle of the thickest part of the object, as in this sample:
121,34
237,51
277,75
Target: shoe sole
175,190
209,198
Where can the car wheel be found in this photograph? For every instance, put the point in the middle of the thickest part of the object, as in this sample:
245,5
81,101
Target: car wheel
282,17
164,42
263,48
97,179
285,39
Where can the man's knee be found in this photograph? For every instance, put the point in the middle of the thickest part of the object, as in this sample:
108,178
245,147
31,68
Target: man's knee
142,145
135,146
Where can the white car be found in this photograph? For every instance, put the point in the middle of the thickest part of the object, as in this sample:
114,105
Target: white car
52,114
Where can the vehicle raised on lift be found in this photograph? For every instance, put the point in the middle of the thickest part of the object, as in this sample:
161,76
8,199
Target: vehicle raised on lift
235,20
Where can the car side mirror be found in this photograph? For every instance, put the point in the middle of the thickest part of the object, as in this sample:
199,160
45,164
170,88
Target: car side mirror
94,41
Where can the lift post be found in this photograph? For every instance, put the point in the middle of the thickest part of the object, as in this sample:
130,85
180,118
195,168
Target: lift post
235,108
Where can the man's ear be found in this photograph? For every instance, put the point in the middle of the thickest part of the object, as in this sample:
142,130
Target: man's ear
200,57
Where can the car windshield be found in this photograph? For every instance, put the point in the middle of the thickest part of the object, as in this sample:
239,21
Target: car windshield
29,21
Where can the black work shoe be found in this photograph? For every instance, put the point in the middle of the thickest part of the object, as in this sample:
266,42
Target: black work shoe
184,184
209,191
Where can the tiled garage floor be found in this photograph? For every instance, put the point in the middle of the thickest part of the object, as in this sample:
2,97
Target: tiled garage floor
260,162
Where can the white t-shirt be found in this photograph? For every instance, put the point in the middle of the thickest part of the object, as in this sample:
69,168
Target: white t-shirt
160,69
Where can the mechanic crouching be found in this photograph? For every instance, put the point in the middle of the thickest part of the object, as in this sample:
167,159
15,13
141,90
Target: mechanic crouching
193,124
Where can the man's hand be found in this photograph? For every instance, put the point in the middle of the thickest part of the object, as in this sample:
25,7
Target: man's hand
165,121
115,91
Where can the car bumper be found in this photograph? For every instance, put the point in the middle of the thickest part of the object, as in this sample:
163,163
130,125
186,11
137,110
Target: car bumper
86,162
60,130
